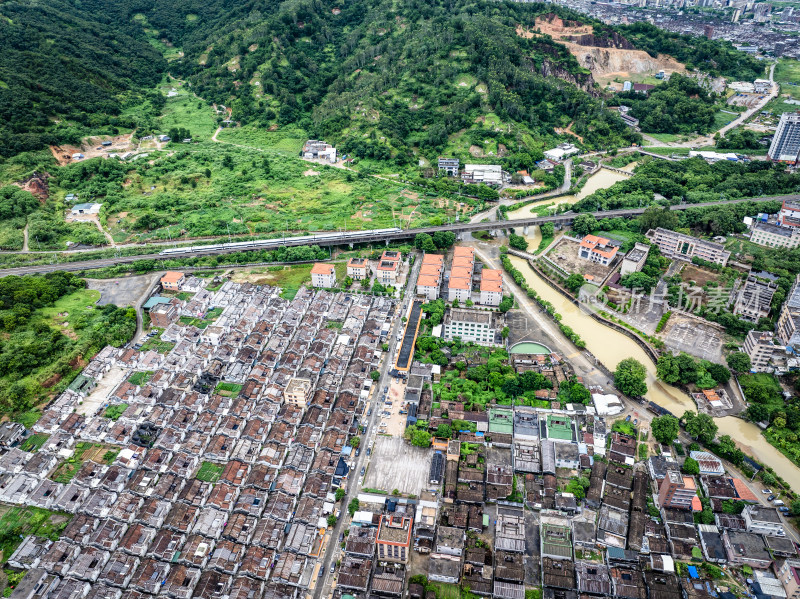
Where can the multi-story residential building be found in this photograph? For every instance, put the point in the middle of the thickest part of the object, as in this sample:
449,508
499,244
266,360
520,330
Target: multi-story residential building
172,281
634,260
775,236
685,247
785,144
754,299
788,572
430,276
315,149
459,286
470,325
358,269
676,491
760,347
428,285
491,287
298,392
449,166
163,315
323,275
387,271
598,249
763,520
788,327
394,538
789,214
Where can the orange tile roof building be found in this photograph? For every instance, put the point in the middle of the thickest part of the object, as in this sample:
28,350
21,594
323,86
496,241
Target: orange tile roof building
358,269
430,276
387,271
172,281
323,275
491,287
459,286
598,249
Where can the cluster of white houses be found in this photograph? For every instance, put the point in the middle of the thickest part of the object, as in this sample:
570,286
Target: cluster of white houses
386,270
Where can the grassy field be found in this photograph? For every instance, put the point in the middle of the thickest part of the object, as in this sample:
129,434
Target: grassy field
187,110
289,141
140,378
65,312
18,522
34,442
723,118
210,472
156,344
227,389
97,452
665,138
114,412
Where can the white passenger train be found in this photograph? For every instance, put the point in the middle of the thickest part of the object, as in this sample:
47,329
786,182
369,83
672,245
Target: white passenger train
348,237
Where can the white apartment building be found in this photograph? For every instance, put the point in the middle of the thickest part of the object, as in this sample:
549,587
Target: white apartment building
387,271
323,275
785,144
775,236
477,326
788,327
677,245
491,287
763,520
760,347
358,268
428,285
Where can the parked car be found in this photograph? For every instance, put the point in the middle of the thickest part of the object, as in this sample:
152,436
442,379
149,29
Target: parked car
358,451
333,568
766,491
784,509
386,389
628,418
779,503
369,412
635,423
363,470
771,498
369,451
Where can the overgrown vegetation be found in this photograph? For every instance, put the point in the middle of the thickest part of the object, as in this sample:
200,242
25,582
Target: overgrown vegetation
51,327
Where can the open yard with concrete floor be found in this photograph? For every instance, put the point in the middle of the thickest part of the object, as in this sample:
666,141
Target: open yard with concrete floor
395,464
97,398
565,256
124,291
643,314
395,421
693,336
522,327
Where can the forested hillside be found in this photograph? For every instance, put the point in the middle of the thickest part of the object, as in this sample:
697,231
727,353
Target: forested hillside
381,79
389,80
65,66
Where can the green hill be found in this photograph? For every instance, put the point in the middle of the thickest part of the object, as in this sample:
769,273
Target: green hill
67,67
